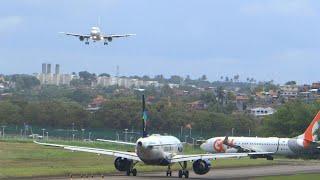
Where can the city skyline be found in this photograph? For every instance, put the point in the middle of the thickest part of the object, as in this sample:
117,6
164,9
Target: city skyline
266,40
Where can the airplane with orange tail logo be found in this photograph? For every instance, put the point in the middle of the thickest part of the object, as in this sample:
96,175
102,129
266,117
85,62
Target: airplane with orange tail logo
266,147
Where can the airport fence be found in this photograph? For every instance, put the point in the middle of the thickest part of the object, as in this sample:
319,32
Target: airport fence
73,133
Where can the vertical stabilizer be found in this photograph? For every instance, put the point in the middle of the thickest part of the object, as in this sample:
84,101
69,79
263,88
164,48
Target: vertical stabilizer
311,132
144,118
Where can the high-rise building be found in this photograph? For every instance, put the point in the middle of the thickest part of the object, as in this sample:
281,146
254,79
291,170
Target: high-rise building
57,69
44,68
48,68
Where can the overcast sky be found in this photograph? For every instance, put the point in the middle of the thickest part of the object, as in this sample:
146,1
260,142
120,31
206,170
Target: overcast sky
268,40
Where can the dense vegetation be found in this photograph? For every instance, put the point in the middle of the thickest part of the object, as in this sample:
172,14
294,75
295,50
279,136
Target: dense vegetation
60,107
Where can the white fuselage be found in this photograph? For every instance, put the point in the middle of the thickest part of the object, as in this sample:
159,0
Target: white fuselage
95,34
157,149
283,146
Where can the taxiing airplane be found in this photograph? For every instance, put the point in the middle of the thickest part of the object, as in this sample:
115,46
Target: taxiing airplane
265,147
96,35
154,150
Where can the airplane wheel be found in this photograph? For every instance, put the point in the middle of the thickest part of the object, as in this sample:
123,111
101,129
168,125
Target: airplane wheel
134,172
186,174
180,173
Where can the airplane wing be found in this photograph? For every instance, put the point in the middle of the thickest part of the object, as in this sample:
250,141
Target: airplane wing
117,142
260,153
76,35
123,154
117,35
193,157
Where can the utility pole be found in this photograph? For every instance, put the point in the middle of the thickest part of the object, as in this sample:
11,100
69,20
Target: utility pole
82,133
43,133
125,134
3,127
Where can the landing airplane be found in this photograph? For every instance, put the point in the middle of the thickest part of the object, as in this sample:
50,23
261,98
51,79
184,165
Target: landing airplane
259,147
96,35
154,150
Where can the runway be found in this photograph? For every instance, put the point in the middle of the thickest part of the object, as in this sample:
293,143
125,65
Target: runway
229,173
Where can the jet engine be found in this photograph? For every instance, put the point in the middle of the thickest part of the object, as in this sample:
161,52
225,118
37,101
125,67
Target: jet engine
109,39
122,164
81,38
201,166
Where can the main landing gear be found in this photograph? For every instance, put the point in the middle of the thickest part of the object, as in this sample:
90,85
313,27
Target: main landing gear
184,172
105,43
132,170
86,43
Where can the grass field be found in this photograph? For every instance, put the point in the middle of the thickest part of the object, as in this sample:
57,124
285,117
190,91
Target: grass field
26,159
291,177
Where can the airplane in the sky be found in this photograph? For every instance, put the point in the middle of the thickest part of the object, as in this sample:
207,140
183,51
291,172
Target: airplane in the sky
265,147
96,35
154,150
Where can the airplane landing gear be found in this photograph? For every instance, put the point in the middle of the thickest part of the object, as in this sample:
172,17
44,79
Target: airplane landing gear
105,43
184,172
87,42
169,172
132,170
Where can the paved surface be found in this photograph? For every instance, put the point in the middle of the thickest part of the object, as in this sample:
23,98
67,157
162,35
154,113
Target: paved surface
230,173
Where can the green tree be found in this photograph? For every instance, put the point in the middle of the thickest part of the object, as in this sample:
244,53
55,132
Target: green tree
9,113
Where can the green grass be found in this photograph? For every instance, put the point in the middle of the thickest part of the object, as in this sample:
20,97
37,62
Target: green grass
290,177
20,158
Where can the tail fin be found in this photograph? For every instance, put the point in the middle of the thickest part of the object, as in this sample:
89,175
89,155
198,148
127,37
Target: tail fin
310,133
144,118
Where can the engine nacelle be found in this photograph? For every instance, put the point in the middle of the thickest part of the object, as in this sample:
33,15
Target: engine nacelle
81,38
201,166
109,39
122,164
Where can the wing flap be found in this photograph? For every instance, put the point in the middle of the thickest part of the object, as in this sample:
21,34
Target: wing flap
76,35
123,154
260,153
181,158
118,35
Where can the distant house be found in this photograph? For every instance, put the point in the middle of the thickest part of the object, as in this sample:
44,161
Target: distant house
315,85
241,102
96,103
289,91
261,111
197,105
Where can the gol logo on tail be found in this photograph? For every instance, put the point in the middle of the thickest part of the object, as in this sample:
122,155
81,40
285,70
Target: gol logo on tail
218,145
